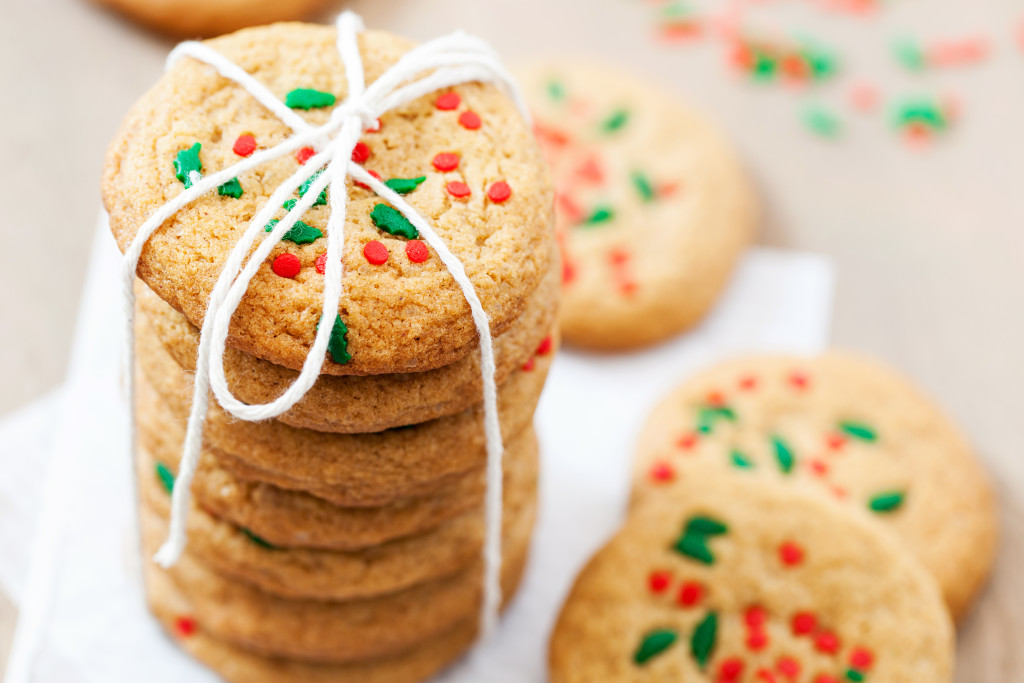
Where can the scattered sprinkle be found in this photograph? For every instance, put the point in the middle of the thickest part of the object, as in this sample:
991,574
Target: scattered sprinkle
231,188
470,120
300,233
375,252
417,251
187,165
305,154
286,265
244,145
791,554
458,189
405,185
499,192
391,220
888,501
653,644
448,101
307,98
446,161
361,152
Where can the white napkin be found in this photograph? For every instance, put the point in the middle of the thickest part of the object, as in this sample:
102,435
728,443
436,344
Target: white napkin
82,614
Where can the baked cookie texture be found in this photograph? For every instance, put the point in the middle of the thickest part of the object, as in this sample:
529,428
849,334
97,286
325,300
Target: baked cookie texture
402,316
653,207
737,580
843,425
192,18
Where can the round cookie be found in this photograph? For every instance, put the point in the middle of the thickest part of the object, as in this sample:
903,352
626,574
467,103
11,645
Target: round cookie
848,426
734,581
330,631
190,18
347,469
402,315
316,574
288,519
368,403
653,209
236,665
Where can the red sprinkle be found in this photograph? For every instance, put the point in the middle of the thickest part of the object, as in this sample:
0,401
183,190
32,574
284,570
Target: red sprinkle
755,617
448,101
690,593
244,145
748,383
658,581
361,152
788,667
457,188
446,161
286,265
530,364
791,554
417,251
835,441
304,154
715,399
731,669
818,467
766,675
799,380
861,659
687,441
375,252
544,347
499,191
804,623
662,471
185,626
380,126
364,185
321,263
825,678
469,120
757,640
827,642
864,97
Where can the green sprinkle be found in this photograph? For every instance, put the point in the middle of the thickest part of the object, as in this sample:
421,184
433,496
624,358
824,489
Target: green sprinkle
740,460
887,501
300,233
822,64
854,675
307,98
391,220
643,186
231,188
822,121
602,214
338,344
617,120
677,10
289,204
909,54
764,66
695,546
304,188
702,644
187,163
257,540
706,526
859,431
708,415
783,455
404,185
166,477
556,91
653,644
921,111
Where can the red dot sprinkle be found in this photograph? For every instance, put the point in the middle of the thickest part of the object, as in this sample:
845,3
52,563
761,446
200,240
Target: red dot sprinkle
662,472
731,669
716,399
499,192
791,554
818,467
658,581
755,617
799,380
286,265
446,161
690,593
469,120
417,251
835,441
825,678
687,441
448,101
530,364
827,642
244,145
748,383
766,676
321,263
185,626
458,189
544,348
804,623
364,185
757,640
361,152
375,252
788,667
304,154
861,659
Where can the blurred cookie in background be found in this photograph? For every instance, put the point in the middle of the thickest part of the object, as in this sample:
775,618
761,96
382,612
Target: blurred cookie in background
204,18
653,207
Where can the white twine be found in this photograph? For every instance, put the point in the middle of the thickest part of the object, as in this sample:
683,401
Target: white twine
440,63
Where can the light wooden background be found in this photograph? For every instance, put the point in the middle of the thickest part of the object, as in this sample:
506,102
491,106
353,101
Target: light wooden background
929,244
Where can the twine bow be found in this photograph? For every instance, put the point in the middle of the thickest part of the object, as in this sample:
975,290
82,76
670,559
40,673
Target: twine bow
444,62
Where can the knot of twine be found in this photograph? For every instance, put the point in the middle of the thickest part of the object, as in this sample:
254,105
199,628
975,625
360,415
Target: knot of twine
441,63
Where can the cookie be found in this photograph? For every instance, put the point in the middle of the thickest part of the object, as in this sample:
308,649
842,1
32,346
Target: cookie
191,18
367,403
653,209
288,519
739,580
319,574
347,469
848,426
330,631
235,665
403,314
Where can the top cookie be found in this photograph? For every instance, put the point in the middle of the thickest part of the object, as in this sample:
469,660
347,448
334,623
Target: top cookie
653,208
842,424
471,167
190,18
737,581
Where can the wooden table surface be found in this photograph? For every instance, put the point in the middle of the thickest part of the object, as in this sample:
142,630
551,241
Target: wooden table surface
929,243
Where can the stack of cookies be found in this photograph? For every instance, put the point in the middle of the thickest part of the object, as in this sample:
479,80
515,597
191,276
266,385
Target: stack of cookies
342,540
795,519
